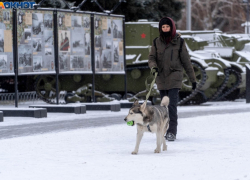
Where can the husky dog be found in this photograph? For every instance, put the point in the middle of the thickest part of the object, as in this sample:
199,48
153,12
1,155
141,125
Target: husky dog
153,119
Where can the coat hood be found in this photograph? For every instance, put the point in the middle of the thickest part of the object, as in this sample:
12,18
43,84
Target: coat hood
173,28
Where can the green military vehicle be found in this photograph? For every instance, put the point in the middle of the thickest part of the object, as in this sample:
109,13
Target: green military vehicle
232,48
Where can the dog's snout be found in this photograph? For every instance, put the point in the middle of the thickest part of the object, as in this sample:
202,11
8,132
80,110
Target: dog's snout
125,119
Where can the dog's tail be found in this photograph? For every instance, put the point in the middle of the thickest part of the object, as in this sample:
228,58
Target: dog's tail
165,101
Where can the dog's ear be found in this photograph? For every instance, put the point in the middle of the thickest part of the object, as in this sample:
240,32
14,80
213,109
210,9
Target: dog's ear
136,102
143,106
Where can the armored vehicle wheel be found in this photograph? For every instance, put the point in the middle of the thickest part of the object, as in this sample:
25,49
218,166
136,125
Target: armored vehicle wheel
191,98
200,75
231,91
45,87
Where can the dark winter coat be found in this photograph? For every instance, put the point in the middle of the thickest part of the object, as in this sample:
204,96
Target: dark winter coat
169,64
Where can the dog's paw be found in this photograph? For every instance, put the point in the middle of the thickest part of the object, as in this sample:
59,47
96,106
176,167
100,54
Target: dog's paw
157,150
134,152
164,148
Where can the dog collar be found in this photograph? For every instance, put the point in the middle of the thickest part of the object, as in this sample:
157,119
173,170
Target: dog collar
149,128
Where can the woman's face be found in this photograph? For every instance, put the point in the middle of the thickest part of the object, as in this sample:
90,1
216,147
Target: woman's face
165,28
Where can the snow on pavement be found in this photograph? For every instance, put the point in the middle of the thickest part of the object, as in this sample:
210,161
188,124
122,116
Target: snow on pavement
207,147
53,117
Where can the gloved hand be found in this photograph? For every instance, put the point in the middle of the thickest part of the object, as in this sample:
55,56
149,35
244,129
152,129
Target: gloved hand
154,70
194,85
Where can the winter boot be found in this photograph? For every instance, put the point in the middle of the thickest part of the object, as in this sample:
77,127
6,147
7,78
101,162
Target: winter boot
170,137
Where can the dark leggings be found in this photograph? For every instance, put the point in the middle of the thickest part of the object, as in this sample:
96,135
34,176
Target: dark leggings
173,95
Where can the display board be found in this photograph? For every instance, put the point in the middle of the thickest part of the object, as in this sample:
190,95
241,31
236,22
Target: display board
35,42
6,41
74,42
109,57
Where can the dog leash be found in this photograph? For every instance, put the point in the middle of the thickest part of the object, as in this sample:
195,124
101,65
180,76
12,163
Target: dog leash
149,87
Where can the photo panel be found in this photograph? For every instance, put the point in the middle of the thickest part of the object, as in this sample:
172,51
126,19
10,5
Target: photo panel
35,42
6,42
48,38
64,41
25,56
20,16
27,37
118,64
48,63
3,61
87,44
6,17
61,20
97,21
106,59
77,41
27,34
76,21
86,22
98,41
48,51
37,45
109,42
88,62
117,28
48,21
2,40
37,63
121,48
63,62
37,24
109,27
116,51
74,42
98,62
76,62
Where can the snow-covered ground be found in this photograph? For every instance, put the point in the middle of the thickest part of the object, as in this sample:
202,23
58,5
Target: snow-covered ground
207,147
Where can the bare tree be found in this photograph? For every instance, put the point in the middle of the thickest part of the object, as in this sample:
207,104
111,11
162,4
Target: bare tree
226,15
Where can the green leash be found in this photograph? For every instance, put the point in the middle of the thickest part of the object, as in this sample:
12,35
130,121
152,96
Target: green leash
149,87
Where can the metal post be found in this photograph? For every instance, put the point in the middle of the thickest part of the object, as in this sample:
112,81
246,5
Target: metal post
95,1
115,7
93,56
15,53
56,53
188,14
124,54
247,16
247,83
80,5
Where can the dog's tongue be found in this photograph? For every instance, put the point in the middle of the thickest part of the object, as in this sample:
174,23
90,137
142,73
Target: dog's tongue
130,123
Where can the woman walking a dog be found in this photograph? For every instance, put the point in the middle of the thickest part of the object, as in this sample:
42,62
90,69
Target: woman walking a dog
168,57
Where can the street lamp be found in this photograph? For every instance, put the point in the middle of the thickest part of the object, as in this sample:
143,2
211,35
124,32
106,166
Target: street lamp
188,15
247,1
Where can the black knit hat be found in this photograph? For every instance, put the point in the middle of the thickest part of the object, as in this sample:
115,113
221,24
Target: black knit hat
165,21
